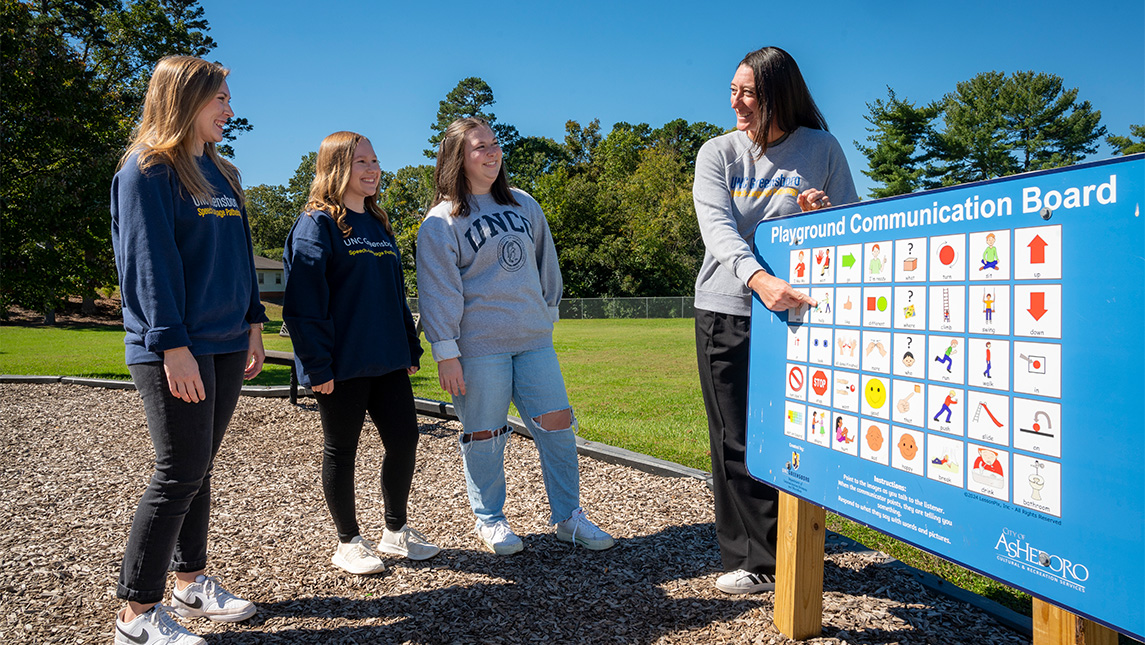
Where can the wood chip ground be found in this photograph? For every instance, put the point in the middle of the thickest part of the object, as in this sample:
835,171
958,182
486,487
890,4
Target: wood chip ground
75,461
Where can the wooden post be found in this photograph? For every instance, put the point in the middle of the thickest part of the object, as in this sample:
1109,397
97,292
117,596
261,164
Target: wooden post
1056,626
799,568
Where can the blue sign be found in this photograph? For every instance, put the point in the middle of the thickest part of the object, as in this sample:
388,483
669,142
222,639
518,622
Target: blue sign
972,377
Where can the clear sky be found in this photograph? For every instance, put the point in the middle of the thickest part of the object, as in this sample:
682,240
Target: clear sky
302,69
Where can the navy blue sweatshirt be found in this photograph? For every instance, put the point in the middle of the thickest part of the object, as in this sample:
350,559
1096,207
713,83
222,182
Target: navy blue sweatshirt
345,302
186,272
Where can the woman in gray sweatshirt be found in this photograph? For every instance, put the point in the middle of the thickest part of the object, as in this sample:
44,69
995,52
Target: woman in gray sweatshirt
778,161
488,290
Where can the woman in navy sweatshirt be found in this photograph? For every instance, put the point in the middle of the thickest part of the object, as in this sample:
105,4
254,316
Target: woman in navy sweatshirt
355,343
193,319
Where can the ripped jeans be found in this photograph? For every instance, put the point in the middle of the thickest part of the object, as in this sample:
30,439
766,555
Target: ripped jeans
532,380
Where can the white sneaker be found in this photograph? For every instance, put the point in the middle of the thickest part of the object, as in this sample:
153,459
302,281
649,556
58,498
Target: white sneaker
357,556
740,581
578,529
206,597
153,627
499,537
408,543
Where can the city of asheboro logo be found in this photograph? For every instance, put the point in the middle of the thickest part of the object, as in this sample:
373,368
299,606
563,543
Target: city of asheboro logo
1013,548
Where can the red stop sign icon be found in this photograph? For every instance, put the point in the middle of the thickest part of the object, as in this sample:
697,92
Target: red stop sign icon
819,382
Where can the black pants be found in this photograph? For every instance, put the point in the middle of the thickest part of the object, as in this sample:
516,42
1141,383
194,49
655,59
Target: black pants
389,400
746,509
170,526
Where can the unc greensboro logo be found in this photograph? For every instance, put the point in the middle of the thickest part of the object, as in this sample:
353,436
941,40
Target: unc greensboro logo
794,463
511,253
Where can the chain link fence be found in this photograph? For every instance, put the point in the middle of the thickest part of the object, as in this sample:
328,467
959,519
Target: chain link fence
587,308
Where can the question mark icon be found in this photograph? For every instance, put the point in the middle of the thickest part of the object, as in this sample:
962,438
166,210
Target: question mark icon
909,340
910,296
909,248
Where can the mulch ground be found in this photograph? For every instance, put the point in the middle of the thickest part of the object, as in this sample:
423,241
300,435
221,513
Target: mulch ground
74,462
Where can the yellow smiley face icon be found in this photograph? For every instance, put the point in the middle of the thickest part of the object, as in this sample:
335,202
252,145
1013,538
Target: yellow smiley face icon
876,393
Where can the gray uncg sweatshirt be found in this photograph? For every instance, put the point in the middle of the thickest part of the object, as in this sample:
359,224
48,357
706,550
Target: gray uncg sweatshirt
733,192
488,283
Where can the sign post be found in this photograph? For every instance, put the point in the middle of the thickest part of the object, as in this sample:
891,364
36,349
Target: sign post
1056,626
798,610
970,380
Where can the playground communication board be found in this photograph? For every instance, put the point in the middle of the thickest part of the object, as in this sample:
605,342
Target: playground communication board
972,378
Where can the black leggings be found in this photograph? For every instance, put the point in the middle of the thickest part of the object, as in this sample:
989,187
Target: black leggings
389,400
170,526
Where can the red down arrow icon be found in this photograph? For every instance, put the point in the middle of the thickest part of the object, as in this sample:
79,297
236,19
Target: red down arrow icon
1037,304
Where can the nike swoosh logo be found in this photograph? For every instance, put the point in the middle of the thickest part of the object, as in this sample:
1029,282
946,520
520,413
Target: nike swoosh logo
198,604
141,638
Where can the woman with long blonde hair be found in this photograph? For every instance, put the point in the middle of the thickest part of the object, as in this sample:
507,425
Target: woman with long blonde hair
355,344
193,319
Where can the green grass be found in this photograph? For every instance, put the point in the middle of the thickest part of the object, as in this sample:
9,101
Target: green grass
633,384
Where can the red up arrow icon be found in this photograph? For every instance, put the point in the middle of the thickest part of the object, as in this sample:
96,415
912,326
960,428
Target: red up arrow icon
1037,250
1037,304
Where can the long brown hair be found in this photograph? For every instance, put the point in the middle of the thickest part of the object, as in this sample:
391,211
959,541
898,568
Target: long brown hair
782,95
179,88
332,176
449,176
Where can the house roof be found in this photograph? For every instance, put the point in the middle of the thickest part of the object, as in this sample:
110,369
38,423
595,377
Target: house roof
267,264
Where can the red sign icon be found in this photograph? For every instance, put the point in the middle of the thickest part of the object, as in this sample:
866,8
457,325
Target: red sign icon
795,378
819,382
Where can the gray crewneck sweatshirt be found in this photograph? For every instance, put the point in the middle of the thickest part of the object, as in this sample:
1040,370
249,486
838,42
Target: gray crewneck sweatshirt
488,283
734,192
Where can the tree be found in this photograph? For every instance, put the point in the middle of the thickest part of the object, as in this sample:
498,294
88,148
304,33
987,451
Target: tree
1126,145
620,209
74,73
271,214
992,125
405,198
49,119
1048,127
685,138
532,158
272,209
298,187
660,226
581,142
996,126
468,98
899,133
618,154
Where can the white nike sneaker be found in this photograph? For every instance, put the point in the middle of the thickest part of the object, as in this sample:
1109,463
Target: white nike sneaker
153,627
206,597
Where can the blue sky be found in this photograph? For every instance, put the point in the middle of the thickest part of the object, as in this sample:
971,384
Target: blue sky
304,69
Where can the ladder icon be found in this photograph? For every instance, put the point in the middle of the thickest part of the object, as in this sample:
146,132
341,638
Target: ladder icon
945,304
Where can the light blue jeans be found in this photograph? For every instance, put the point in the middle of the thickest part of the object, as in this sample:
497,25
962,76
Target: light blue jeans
533,381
